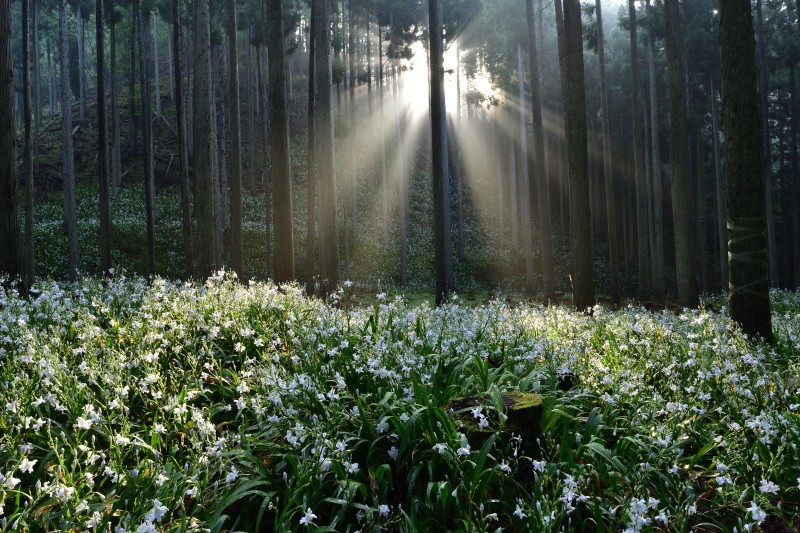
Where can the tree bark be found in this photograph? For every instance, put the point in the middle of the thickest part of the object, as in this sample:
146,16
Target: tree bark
608,164
536,165
183,150
748,263
147,141
116,156
766,146
719,179
641,194
70,214
251,109
133,134
235,160
281,172
37,99
81,68
795,187
156,67
102,144
658,195
575,106
524,177
441,181
311,234
382,140
401,173
11,252
203,142
685,263
27,153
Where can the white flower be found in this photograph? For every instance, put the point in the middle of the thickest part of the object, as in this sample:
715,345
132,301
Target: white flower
757,512
464,450
518,513
308,518
191,492
95,520
232,475
393,452
147,527
441,447
26,465
768,487
158,512
384,510
539,466
83,423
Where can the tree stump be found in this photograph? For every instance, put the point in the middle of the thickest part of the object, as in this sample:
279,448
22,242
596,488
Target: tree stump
523,412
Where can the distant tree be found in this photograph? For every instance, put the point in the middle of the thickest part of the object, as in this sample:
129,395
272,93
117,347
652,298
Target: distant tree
638,163
205,204
27,156
608,163
11,263
766,144
183,149
441,180
536,165
657,255
70,210
326,173
102,143
235,161
281,172
311,235
575,106
147,141
685,264
748,263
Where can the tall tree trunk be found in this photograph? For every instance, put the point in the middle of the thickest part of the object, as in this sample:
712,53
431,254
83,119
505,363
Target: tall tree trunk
29,262
51,79
235,160
512,187
171,66
575,106
329,235
719,180
685,264
156,66
526,206
641,194
147,141
456,165
81,68
311,234
132,138
349,214
203,142
37,84
441,181
536,165
251,109
183,151
281,173
382,140
262,89
401,173
748,263
608,164
795,186
102,144
658,195
116,156
11,253
766,146
70,213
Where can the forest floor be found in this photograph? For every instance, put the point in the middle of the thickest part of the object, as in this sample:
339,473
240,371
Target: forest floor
169,406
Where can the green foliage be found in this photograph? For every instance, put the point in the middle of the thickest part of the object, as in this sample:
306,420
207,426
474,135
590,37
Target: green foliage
180,407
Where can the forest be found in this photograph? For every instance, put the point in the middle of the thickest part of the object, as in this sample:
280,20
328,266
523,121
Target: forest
399,265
